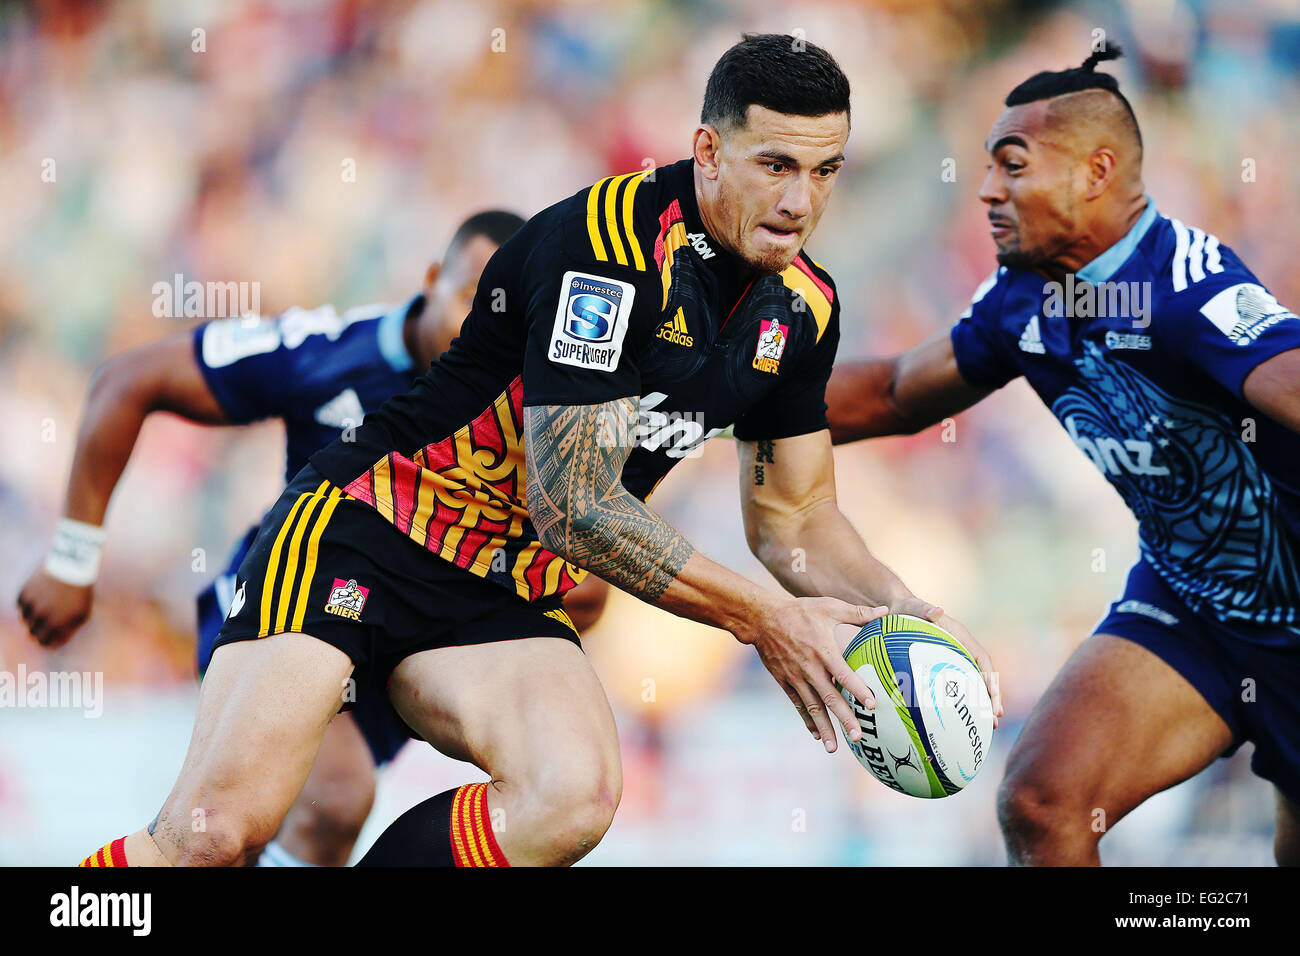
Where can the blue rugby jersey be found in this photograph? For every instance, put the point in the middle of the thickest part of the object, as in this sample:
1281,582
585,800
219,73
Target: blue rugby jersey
1142,356
319,371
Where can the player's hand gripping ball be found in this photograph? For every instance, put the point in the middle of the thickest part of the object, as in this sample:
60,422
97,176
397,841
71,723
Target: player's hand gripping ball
930,732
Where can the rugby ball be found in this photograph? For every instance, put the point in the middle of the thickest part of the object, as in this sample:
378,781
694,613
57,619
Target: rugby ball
930,731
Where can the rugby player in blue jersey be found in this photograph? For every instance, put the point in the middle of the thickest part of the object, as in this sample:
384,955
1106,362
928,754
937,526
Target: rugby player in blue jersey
319,372
1187,398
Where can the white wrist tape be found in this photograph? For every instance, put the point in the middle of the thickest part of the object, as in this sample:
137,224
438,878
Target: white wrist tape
74,556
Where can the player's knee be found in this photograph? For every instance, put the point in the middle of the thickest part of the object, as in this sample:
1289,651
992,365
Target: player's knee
225,840
574,810
1033,812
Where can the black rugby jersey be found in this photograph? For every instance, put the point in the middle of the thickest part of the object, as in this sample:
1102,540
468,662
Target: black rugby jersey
615,292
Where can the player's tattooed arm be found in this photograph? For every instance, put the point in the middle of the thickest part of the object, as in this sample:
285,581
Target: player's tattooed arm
575,456
580,509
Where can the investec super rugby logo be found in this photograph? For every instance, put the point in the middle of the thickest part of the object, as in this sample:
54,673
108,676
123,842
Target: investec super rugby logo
347,599
591,319
1245,311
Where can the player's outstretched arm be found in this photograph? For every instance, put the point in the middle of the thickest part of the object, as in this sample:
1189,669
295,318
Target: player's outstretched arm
794,525
900,395
163,376
581,511
1273,387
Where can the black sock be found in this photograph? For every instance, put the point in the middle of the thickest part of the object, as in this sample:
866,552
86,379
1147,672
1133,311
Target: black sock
419,837
451,829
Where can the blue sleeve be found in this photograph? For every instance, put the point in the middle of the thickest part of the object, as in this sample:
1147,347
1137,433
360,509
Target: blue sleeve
1226,325
977,340
244,365
264,368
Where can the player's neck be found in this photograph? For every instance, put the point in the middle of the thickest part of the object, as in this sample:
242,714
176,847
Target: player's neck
424,345
1104,234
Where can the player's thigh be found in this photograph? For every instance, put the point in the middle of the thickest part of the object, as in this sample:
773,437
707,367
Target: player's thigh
530,709
1117,725
263,707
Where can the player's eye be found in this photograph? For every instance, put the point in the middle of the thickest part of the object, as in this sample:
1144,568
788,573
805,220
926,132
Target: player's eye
775,167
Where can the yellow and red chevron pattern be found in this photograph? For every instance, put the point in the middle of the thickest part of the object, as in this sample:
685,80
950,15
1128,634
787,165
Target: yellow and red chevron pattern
472,840
672,236
463,499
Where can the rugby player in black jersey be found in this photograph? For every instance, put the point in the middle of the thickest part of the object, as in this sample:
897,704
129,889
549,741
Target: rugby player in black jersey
608,338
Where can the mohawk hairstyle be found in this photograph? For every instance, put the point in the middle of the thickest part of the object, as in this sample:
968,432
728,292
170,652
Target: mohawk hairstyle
1046,85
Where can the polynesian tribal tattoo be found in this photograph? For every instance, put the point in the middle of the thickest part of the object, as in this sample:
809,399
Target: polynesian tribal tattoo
575,456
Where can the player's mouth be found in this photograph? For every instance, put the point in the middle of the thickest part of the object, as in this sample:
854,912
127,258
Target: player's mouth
999,226
779,234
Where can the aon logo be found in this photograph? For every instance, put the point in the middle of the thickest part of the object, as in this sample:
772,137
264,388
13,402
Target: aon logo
681,435
1113,457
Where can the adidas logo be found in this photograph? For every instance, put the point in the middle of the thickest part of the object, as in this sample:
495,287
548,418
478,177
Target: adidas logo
1031,340
237,602
342,411
674,330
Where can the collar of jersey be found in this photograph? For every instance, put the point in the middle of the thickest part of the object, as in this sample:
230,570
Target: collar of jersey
723,265
1109,262
392,341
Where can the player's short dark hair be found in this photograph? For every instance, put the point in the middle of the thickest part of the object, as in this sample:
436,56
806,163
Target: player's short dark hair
498,225
1046,85
780,72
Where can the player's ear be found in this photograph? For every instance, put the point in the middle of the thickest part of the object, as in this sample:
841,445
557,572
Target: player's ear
1101,170
708,141
431,276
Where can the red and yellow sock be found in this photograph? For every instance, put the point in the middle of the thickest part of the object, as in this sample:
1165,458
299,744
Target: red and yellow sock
113,854
472,840
451,829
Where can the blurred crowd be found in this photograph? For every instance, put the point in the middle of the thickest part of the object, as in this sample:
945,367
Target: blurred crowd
326,149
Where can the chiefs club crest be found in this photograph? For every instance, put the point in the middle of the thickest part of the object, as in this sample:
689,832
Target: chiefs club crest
347,598
772,336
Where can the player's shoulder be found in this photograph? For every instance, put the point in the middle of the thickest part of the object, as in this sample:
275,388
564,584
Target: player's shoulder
990,292
612,224
1185,262
296,332
809,280
1195,276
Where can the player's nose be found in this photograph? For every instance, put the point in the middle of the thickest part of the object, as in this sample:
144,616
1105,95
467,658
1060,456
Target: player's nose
993,189
796,201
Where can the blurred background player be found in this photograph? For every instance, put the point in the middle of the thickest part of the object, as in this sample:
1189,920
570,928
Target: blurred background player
319,372
1180,380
